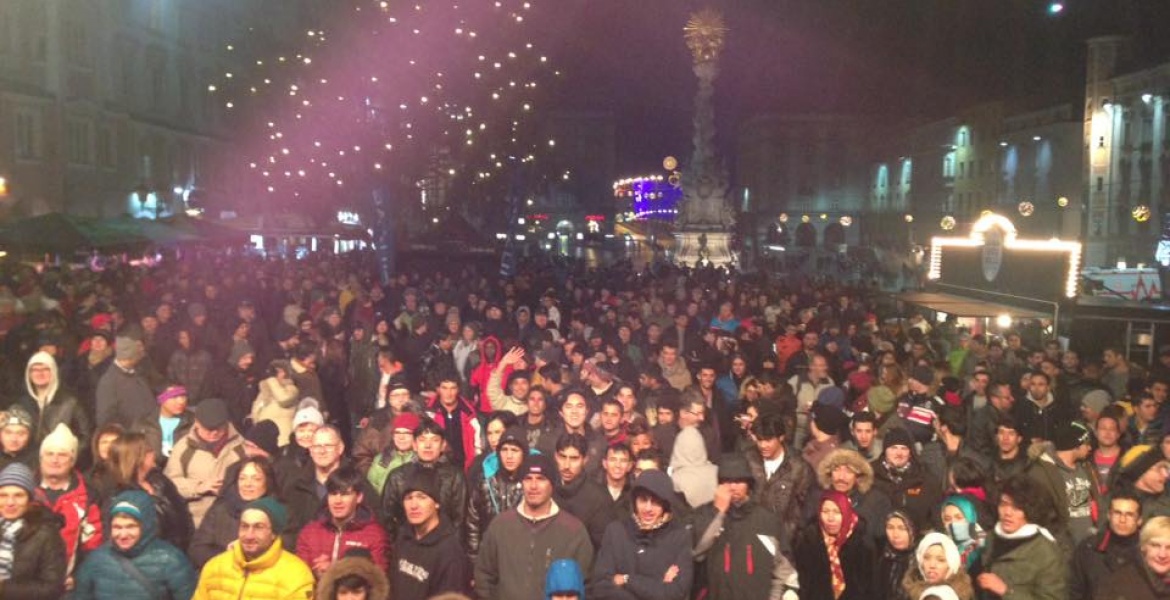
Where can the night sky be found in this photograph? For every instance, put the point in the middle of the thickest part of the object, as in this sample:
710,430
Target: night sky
878,57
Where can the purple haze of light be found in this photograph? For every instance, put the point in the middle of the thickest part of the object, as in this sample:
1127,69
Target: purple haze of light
385,84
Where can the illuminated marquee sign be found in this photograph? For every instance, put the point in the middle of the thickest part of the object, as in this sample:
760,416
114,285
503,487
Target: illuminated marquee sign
994,258
346,217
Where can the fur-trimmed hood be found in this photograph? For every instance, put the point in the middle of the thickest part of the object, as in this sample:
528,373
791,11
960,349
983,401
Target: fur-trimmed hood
915,585
850,458
351,565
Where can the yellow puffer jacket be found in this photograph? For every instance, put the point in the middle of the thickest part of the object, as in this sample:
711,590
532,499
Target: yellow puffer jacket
274,575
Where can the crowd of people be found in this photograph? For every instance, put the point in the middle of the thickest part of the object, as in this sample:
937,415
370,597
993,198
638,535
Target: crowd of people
236,427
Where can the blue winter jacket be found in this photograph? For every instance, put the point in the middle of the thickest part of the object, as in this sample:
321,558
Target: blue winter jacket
102,577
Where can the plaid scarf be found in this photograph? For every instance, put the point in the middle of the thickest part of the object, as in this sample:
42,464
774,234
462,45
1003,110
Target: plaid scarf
8,531
834,543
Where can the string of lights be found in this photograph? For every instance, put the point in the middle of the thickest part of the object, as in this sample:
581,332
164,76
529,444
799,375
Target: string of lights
376,90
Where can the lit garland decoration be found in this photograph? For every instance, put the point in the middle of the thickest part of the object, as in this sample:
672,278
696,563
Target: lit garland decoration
385,91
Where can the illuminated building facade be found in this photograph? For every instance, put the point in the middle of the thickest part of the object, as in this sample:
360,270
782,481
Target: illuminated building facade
939,175
1127,157
802,165
104,104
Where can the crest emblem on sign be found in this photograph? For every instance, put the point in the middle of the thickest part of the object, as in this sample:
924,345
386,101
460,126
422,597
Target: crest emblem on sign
992,252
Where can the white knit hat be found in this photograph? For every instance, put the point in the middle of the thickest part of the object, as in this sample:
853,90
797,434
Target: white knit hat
60,439
308,411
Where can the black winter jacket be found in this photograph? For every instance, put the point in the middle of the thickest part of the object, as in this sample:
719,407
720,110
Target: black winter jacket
645,556
812,564
589,502
38,562
1095,558
452,495
489,497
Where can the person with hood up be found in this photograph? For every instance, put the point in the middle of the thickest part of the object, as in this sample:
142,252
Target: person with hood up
834,559
938,565
200,459
1022,559
429,556
564,581
49,404
32,555
1069,482
354,576
497,487
960,522
491,353
693,474
134,563
646,556
234,383
893,561
63,490
741,542
847,472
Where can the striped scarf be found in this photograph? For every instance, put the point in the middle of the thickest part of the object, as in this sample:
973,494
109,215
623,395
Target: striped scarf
8,531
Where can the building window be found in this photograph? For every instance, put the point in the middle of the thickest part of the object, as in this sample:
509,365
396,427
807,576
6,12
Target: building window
949,165
79,143
28,135
107,152
77,43
1100,184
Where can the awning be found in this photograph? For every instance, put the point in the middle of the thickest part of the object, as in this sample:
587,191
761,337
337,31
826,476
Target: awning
963,306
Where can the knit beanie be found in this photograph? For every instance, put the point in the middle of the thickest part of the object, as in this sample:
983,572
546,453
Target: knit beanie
831,420
407,420
423,480
308,411
277,513
266,435
172,392
19,475
60,439
17,416
1136,461
898,436
127,348
881,399
1096,400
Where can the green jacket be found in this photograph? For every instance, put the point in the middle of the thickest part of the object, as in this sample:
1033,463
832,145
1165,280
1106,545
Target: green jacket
1034,570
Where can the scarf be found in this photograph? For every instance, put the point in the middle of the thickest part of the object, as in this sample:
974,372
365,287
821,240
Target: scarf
896,473
8,531
834,544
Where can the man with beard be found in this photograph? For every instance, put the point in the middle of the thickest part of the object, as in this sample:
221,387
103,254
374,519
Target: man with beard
258,560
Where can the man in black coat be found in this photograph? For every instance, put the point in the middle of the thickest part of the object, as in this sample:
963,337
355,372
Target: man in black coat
452,485
1116,546
578,494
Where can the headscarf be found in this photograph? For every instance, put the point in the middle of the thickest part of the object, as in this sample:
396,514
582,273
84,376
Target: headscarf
848,523
967,536
950,551
893,562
